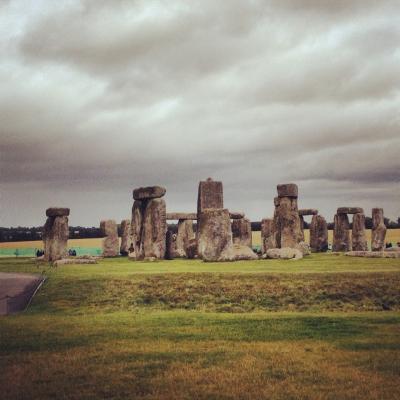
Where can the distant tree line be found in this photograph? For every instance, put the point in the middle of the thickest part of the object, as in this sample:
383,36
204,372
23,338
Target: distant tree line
21,233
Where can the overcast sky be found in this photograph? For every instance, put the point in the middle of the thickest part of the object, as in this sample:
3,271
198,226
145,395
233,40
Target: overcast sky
100,97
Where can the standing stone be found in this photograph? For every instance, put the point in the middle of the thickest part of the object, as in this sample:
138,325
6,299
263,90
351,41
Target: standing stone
358,236
184,236
241,232
341,233
210,195
318,234
55,233
137,228
110,242
126,237
170,251
154,229
378,230
288,222
214,234
301,227
267,235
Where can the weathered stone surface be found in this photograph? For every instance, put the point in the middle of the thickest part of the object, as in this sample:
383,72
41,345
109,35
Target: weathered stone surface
341,233
236,214
184,236
210,195
241,232
276,201
57,212
318,234
214,234
149,192
138,209
378,230
191,249
308,211
358,236
110,243
153,240
238,252
55,238
350,210
181,216
374,254
304,248
170,250
126,237
285,253
301,228
287,223
268,240
287,190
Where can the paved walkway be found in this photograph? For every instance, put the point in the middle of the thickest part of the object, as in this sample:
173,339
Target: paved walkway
16,291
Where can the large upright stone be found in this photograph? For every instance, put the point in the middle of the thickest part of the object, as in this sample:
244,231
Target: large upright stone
241,232
138,209
170,250
287,220
318,234
110,242
378,230
341,233
149,192
55,234
268,239
184,236
214,234
358,236
126,237
153,240
210,195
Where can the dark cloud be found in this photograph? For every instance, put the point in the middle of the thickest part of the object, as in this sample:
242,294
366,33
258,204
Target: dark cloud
101,96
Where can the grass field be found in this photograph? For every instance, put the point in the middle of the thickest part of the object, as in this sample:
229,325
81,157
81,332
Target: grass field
324,327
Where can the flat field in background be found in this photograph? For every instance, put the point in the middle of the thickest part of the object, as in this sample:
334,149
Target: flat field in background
392,235
324,327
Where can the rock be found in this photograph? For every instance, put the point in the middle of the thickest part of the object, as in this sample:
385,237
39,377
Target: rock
170,250
285,253
191,249
55,238
214,234
304,248
373,254
236,215
276,201
287,222
350,210
181,216
149,192
68,261
318,234
184,236
358,236
238,252
308,211
301,228
378,233
153,240
138,210
57,212
341,234
110,242
126,237
267,235
241,232
287,190
210,195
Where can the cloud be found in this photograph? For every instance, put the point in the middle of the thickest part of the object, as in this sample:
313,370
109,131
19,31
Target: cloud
101,96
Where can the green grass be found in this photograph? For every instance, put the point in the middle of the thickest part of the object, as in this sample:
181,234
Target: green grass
318,328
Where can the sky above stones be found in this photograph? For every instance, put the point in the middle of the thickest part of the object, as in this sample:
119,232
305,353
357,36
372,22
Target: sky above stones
99,97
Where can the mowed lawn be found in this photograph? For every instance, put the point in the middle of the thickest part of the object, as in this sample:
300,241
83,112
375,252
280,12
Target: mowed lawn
324,327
